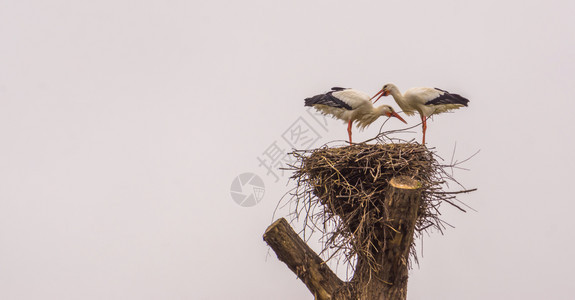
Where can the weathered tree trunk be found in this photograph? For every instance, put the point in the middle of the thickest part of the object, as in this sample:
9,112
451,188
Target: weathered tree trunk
402,203
302,260
388,280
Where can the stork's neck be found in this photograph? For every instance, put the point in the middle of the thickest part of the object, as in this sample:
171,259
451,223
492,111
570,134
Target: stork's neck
398,96
376,111
394,91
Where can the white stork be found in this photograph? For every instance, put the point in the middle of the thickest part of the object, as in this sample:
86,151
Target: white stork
427,101
350,105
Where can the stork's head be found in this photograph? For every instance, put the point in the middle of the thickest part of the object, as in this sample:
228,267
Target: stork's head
385,91
389,112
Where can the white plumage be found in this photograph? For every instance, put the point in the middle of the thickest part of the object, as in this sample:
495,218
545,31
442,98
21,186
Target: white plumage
426,101
350,106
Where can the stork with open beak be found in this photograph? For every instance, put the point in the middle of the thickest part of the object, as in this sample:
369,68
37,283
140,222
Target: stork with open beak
350,106
426,101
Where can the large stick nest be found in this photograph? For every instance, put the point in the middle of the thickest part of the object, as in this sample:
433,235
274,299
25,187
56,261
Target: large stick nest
340,193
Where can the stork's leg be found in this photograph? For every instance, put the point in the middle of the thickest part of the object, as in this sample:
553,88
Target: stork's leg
349,130
424,124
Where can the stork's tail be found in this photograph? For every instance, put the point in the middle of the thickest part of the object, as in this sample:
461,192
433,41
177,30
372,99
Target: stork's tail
458,99
448,98
313,100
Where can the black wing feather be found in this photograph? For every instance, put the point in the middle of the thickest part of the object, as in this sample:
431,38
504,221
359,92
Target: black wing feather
448,98
337,89
327,99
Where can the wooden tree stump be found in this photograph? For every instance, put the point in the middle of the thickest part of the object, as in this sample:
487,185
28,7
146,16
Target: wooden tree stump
388,280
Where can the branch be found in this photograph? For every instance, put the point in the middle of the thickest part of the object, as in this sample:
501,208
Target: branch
302,260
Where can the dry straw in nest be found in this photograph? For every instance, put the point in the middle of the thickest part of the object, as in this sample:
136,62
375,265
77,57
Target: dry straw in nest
340,192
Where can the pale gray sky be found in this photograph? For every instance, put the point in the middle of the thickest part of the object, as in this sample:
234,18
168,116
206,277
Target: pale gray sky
123,124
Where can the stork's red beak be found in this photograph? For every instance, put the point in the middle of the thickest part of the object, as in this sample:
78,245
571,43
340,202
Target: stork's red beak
394,114
380,93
